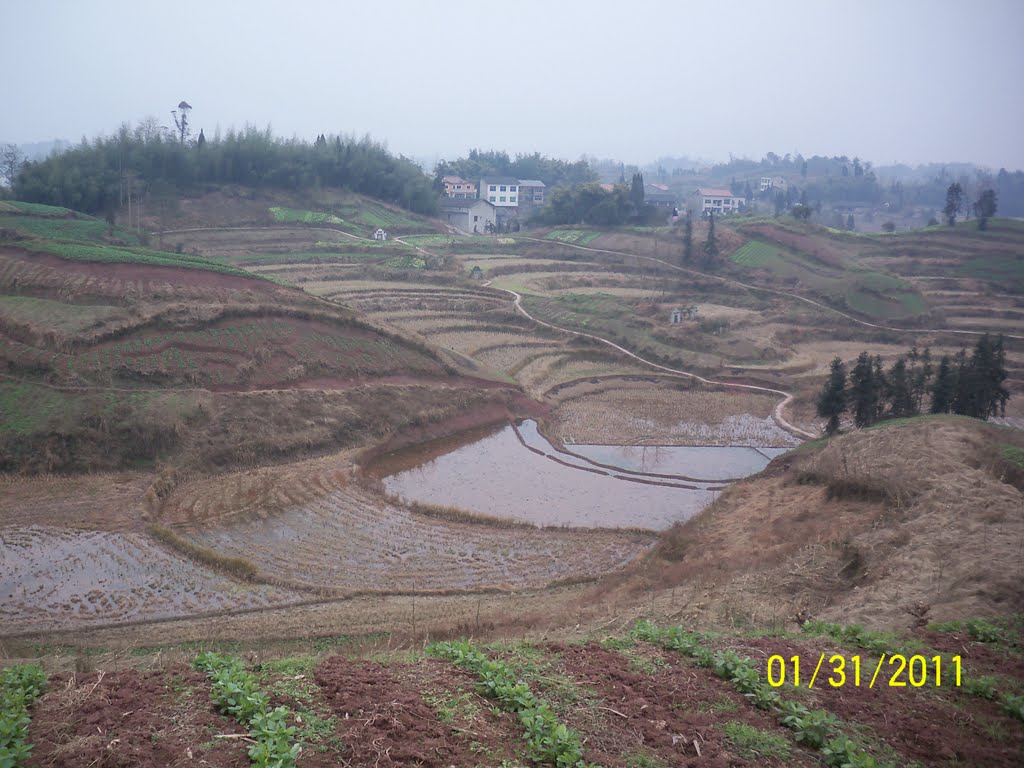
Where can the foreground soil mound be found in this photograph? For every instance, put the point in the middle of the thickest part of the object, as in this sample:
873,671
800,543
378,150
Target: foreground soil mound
912,520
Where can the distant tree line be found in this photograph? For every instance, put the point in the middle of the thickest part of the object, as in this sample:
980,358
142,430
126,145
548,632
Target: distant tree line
96,176
969,386
984,207
481,163
592,204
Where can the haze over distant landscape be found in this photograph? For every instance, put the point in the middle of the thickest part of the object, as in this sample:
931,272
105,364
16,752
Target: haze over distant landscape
912,82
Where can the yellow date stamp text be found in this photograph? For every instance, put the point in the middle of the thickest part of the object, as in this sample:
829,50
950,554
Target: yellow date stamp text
894,671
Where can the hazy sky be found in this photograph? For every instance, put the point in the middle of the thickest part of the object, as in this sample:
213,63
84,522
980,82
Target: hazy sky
889,80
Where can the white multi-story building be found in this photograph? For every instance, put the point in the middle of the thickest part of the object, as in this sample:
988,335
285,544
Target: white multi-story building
716,201
501,191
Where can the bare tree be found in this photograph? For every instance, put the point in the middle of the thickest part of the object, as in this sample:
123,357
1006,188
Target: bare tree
182,122
11,160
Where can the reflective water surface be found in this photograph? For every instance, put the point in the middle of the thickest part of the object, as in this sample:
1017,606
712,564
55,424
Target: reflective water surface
493,472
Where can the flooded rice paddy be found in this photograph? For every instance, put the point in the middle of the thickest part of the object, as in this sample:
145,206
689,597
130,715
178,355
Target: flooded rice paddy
516,473
53,578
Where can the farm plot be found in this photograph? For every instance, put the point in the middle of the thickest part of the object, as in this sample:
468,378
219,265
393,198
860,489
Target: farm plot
54,578
509,358
64,318
352,541
573,236
469,342
829,269
665,413
151,719
79,228
755,253
239,354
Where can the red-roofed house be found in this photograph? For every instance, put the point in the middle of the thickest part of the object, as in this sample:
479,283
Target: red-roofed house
455,186
716,201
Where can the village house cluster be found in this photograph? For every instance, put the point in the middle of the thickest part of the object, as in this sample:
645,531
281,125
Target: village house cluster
491,203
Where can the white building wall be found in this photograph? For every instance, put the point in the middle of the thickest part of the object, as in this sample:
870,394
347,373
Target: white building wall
502,195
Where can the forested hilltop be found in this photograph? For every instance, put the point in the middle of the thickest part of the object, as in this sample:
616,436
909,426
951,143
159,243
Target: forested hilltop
98,176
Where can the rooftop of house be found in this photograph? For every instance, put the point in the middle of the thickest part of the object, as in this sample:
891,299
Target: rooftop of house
462,202
506,180
453,180
715,192
531,183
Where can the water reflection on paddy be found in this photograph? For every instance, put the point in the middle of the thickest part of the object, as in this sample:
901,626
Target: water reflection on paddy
494,473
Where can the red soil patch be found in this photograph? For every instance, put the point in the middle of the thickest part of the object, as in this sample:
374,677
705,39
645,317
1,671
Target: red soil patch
979,659
387,724
498,736
132,719
664,712
932,726
147,275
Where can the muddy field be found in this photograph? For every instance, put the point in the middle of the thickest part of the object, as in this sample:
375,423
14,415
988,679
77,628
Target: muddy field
54,578
359,542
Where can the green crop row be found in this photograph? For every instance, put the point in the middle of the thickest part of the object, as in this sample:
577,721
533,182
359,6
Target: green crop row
880,642
817,729
117,255
37,209
20,686
548,740
753,253
573,236
285,215
236,692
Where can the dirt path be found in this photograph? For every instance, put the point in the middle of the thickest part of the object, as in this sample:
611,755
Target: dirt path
258,228
776,413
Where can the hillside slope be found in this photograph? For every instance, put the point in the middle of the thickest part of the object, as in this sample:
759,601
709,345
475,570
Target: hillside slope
116,354
922,518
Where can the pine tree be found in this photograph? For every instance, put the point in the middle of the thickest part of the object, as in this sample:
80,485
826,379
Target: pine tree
688,239
985,208
954,202
636,192
980,391
962,394
920,371
944,389
899,390
832,400
881,385
864,392
711,244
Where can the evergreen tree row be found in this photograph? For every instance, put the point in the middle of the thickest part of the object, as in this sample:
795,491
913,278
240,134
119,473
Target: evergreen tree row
970,386
479,164
96,176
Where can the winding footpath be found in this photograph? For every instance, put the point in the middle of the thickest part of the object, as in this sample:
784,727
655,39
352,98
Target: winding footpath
776,414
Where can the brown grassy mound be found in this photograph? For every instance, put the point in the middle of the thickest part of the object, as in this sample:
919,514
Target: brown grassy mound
865,528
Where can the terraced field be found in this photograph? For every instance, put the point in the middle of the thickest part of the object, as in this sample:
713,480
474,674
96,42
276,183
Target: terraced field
191,354
52,578
363,545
